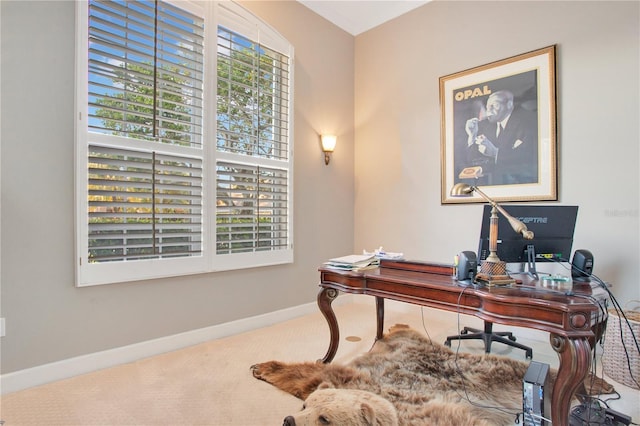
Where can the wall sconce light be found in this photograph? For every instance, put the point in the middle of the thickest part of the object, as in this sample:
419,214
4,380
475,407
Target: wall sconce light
328,145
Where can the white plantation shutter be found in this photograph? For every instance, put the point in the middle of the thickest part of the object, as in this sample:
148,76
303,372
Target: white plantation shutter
259,77
163,190
252,209
145,71
254,167
143,205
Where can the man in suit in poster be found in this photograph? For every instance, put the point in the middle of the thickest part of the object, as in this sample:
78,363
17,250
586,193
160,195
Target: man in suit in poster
504,142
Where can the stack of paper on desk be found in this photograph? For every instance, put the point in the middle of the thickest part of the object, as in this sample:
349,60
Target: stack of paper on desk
354,262
380,253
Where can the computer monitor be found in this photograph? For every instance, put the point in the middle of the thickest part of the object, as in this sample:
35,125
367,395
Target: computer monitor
553,228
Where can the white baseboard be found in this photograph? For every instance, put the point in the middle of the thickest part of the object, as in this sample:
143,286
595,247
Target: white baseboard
42,374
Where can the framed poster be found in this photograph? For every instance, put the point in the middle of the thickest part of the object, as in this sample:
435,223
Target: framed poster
498,129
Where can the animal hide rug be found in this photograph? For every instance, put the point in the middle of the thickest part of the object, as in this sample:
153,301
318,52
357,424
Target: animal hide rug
428,383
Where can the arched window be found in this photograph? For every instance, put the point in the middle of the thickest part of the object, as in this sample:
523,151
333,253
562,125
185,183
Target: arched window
183,140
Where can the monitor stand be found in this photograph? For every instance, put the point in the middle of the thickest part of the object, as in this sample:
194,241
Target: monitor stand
531,261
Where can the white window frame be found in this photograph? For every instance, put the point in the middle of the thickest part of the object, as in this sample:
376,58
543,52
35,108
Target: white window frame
215,13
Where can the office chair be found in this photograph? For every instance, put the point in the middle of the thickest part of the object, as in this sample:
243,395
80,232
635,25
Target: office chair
488,336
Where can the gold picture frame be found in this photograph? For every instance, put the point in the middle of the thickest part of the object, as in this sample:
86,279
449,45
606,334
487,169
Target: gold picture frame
498,129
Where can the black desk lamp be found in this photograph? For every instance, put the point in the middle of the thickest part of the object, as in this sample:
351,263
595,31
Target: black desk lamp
493,271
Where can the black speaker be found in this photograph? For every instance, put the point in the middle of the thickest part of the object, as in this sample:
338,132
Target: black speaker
581,265
467,267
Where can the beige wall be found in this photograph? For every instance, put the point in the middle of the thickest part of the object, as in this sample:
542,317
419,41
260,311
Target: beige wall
47,318
397,186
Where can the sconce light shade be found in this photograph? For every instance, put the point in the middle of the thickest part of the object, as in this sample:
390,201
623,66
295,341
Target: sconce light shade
328,145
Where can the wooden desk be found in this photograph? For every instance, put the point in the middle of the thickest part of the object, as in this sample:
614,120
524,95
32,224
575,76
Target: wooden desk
568,319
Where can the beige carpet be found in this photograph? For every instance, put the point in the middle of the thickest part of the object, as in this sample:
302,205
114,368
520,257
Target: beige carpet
211,383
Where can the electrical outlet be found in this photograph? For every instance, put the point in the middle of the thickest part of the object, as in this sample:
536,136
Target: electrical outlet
2,327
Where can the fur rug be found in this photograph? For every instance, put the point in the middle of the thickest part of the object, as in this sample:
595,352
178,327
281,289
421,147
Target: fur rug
428,383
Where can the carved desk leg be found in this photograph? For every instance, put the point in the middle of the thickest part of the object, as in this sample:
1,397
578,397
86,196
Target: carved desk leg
325,297
574,365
